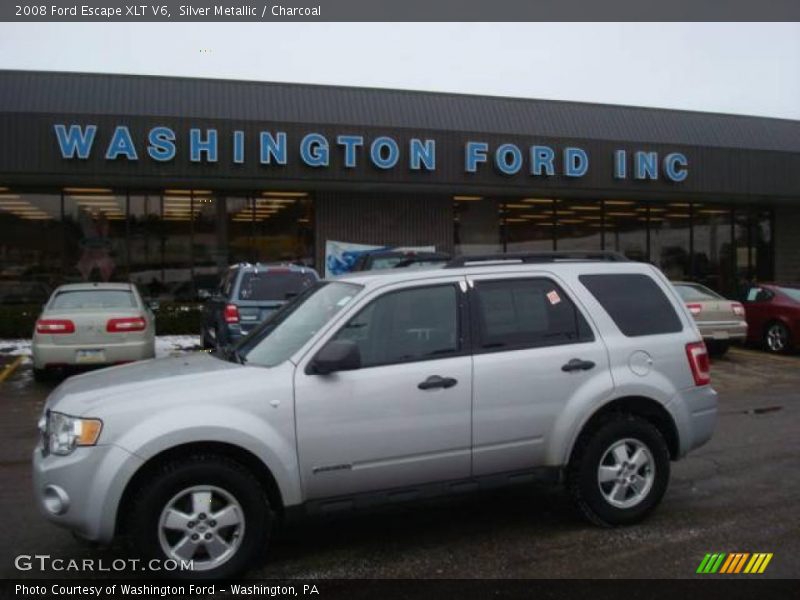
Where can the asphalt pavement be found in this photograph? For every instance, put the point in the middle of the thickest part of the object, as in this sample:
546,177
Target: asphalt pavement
738,493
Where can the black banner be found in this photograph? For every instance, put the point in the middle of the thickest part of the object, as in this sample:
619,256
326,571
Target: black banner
393,10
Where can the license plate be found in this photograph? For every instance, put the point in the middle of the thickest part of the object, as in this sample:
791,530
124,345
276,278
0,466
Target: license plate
721,335
90,356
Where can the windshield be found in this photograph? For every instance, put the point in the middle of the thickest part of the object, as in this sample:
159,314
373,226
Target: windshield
286,331
696,292
274,285
793,293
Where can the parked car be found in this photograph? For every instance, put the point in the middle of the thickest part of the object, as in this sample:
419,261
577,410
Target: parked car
393,259
88,324
14,291
721,321
773,315
248,294
365,390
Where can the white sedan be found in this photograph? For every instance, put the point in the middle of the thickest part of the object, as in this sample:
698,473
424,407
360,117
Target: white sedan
87,324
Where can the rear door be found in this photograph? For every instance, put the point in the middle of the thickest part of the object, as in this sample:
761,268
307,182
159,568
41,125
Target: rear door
534,354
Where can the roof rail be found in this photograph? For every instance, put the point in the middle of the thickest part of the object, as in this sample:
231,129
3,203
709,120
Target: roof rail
481,260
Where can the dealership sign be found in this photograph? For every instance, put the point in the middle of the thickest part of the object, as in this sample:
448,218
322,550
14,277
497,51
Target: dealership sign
382,152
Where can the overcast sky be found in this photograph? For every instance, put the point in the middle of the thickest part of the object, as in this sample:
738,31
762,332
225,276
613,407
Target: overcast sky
745,68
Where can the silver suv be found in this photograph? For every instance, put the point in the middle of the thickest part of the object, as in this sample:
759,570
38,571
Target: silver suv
387,387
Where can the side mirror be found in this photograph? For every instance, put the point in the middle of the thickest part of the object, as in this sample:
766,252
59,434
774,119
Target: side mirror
339,355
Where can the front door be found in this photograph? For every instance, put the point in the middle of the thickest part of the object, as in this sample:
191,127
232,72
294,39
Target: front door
403,418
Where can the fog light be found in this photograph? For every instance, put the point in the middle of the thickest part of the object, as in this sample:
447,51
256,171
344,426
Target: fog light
56,500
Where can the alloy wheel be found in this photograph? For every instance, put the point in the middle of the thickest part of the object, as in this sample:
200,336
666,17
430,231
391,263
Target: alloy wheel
777,338
203,524
626,473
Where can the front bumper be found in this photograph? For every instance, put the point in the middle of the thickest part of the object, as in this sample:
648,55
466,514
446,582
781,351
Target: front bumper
89,482
59,354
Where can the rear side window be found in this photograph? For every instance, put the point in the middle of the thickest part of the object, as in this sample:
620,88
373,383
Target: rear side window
523,313
274,285
696,293
635,303
87,299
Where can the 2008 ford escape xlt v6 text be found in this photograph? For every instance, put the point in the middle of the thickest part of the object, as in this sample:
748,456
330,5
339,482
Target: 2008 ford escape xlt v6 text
585,369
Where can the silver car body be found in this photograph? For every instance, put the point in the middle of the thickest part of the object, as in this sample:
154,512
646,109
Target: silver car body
325,437
91,343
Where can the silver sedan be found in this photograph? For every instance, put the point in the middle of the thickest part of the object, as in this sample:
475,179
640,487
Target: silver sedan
92,324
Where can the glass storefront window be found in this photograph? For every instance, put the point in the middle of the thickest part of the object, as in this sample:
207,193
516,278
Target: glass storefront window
31,246
95,235
713,258
529,224
670,231
579,225
477,224
626,228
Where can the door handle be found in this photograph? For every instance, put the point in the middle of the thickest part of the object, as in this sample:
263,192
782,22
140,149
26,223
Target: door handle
436,381
576,364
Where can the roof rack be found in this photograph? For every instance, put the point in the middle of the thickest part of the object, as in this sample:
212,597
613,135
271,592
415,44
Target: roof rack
482,260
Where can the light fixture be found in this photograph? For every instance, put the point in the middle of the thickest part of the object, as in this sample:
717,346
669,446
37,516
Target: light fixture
585,207
286,194
9,196
527,216
570,221
679,204
618,202
538,200
93,198
188,192
527,206
714,211
517,220
81,190
621,214
3,189
678,215
467,198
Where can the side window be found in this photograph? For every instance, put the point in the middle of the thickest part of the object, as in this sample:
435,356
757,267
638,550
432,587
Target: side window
757,294
635,302
406,325
227,283
520,313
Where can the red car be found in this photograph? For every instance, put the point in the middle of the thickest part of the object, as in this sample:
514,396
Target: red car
773,315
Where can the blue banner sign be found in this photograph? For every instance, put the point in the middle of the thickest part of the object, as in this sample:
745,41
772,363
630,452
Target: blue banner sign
382,152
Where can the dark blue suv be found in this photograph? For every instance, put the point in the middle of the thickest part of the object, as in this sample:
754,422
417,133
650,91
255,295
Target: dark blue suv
248,294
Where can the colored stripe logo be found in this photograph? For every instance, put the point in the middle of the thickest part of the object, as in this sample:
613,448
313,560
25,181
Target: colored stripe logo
734,563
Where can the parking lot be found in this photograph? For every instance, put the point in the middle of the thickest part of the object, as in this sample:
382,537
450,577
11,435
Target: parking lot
739,493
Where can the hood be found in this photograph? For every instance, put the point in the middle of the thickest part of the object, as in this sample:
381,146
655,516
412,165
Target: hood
162,375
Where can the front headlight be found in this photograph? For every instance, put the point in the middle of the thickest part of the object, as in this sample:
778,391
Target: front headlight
65,433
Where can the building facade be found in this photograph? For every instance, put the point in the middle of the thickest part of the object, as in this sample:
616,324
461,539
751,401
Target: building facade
165,181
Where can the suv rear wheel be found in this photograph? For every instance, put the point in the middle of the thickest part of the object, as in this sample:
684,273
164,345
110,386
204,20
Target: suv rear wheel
620,471
206,509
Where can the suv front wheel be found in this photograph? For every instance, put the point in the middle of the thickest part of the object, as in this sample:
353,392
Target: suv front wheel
205,511
620,471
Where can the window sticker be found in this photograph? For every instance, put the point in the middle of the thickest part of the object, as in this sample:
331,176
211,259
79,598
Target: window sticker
552,295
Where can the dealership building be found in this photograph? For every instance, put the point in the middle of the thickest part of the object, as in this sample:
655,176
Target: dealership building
164,181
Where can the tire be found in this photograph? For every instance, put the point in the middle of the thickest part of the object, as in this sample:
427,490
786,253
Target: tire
595,450
718,349
777,338
41,375
186,485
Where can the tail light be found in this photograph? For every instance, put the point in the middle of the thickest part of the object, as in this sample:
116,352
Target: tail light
55,326
737,309
698,362
231,314
695,309
126,324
